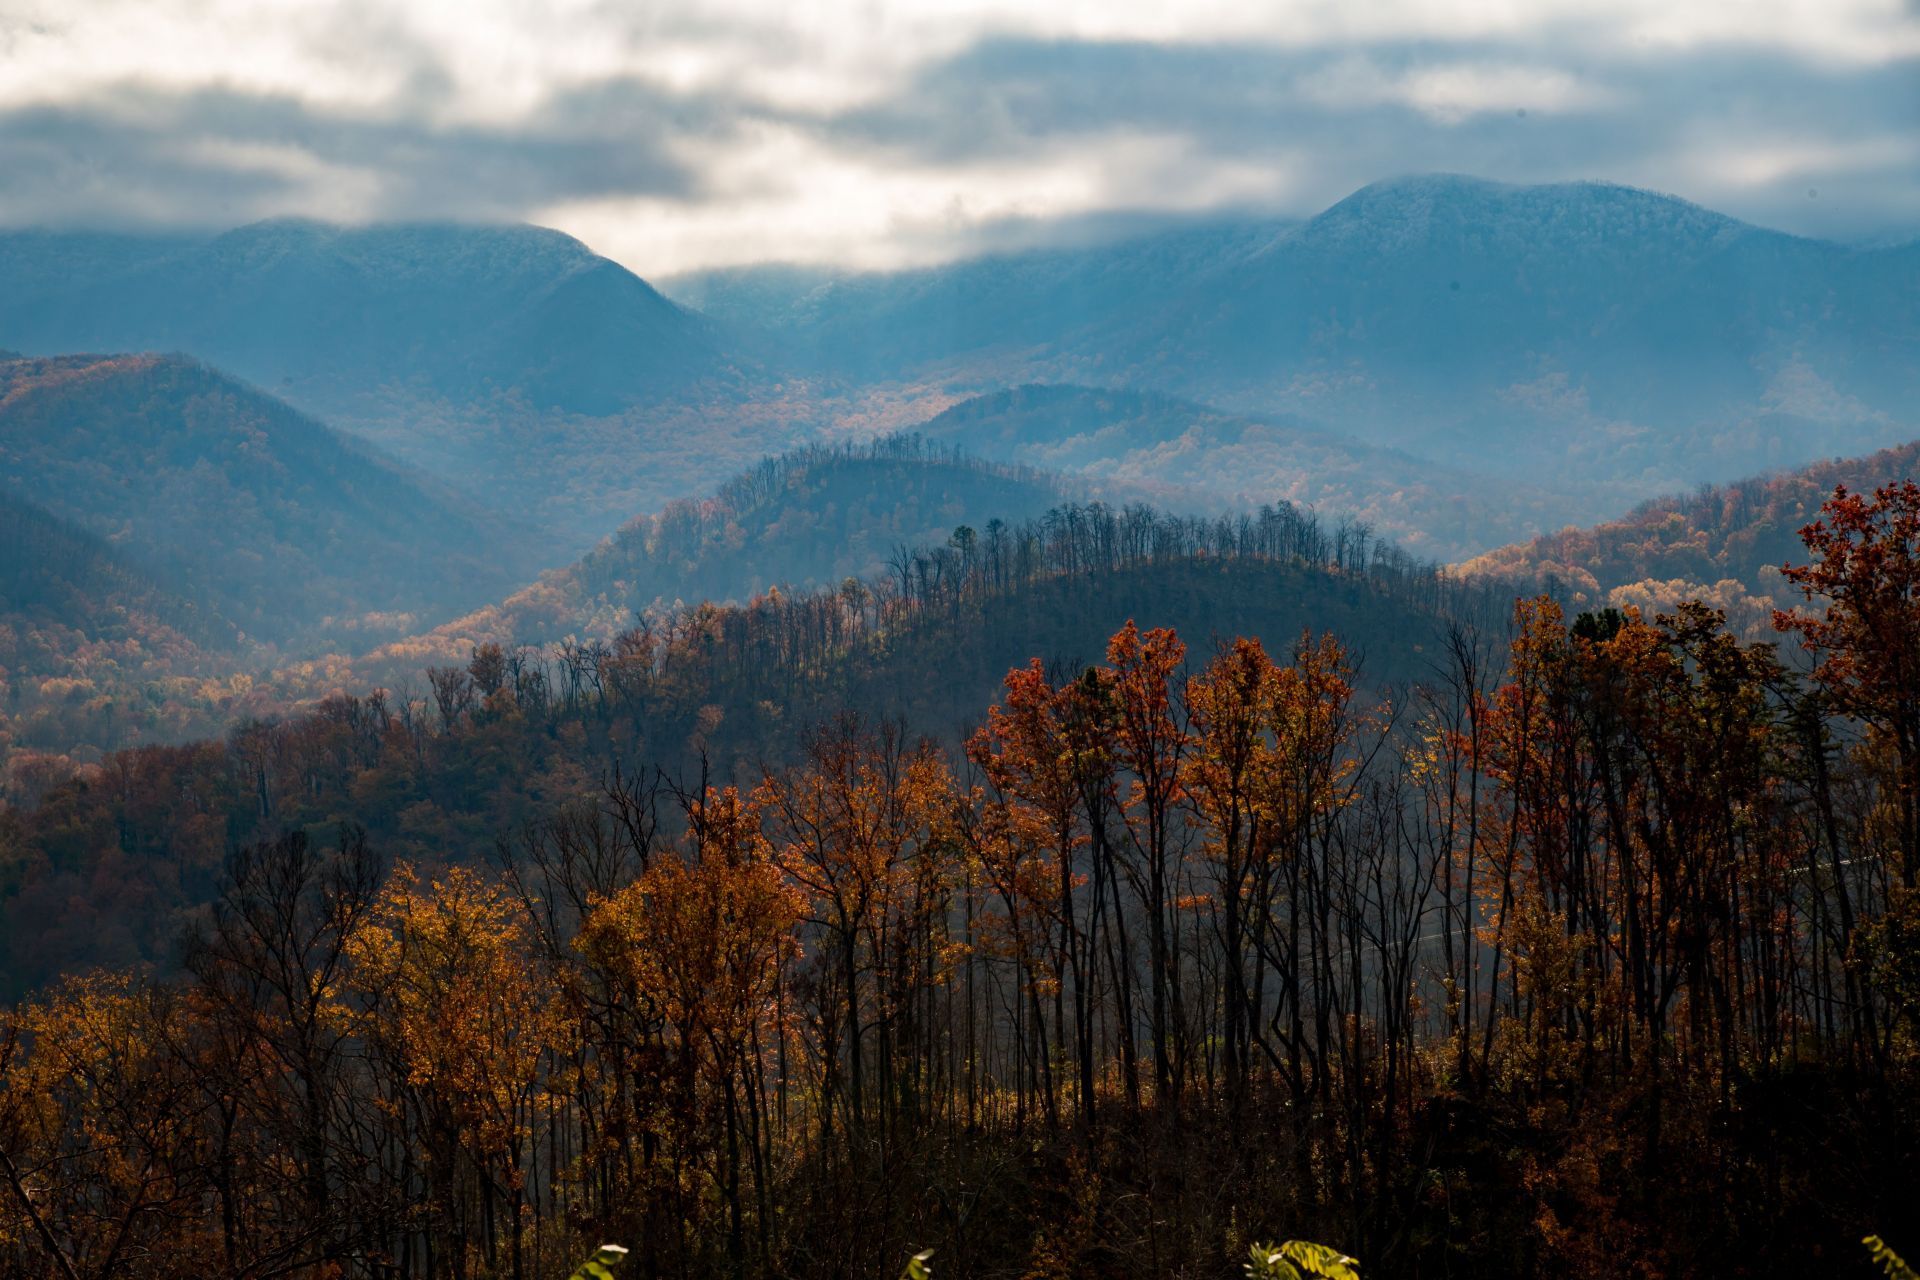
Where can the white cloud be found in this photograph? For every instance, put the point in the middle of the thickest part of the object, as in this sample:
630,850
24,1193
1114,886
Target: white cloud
721,130
784,195
1452,92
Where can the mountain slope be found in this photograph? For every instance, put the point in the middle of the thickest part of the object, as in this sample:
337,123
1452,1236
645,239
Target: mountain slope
884,325
460,313
1173,449
714,693
84,635
804,520
1722,543
509,361
291,531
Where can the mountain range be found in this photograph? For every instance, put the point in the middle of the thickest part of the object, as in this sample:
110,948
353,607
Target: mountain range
1599,340
382,435
1593,344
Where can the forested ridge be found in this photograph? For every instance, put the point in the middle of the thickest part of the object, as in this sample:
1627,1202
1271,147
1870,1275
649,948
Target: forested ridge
1725,544
1565,946
1167,448
809,518
442,762
84,634
295,533
101,655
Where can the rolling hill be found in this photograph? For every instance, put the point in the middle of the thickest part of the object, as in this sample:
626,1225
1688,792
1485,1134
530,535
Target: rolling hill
295,534
804,520
1185,453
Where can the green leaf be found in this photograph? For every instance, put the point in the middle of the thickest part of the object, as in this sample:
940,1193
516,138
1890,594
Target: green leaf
1298,1260
1265,1262
1318,1260
600,1265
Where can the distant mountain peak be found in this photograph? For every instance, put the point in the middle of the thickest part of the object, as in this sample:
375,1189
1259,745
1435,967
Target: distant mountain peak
1414,211
356,319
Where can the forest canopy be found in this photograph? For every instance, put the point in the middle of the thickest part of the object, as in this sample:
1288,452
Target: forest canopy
1588,952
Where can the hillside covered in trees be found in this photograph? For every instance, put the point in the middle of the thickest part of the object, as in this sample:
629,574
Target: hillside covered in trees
448,757
1725,544
808,519
295,533
1179,451
82,634
1563,947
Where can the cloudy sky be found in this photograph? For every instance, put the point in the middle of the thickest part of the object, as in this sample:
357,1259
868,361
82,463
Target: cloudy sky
878,133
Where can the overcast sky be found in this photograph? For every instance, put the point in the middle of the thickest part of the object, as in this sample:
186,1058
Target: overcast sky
712,132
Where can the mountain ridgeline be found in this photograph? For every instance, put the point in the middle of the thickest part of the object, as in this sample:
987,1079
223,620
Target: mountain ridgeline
336,314
552,385
1587,346
803,520
294,533
1587,337
1191,455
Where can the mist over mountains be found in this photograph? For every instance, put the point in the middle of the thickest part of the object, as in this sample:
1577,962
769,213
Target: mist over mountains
290,531
1608,342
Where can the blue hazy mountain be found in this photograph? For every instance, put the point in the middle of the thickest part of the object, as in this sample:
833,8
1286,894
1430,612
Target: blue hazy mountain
1580,333
222,495
1184,454
335,315
1587,342
547,382
890,325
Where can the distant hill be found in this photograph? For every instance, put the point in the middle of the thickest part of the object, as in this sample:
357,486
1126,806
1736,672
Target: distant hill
1177,451
804,520
443,311
510,361
86,637
288,530
1722,543
998,308
1598,338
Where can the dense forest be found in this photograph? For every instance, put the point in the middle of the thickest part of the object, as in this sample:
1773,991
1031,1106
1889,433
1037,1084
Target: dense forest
1552,946
441,762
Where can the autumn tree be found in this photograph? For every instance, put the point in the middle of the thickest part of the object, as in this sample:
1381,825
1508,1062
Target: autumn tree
1866,570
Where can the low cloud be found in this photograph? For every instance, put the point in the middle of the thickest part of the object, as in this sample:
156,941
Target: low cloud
876,136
